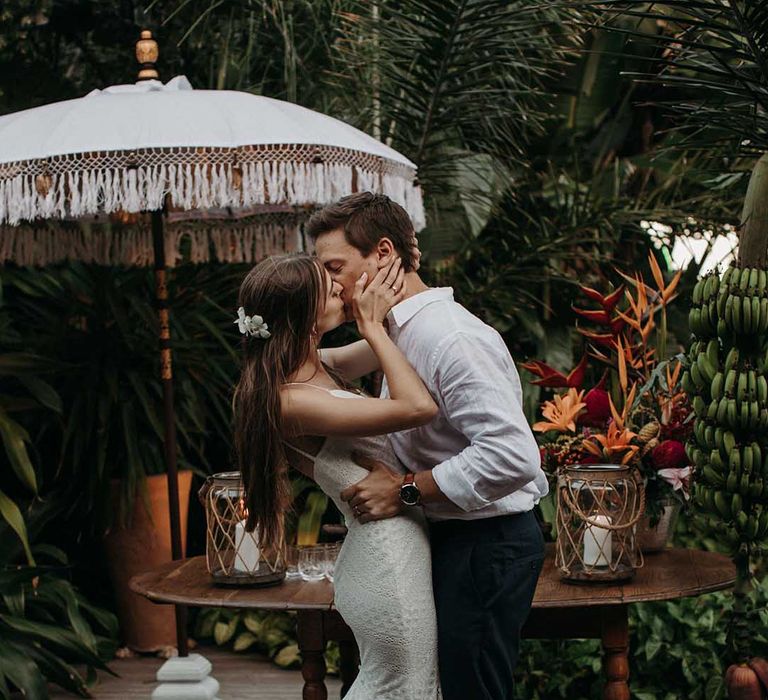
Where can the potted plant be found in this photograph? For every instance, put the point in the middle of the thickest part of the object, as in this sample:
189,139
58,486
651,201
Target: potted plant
636,412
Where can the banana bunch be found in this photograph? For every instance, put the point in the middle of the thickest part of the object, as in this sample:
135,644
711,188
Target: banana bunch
726,378
703,317
742,301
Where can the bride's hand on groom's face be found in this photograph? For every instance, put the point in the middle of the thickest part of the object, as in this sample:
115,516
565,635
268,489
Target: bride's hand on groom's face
376,497
370,304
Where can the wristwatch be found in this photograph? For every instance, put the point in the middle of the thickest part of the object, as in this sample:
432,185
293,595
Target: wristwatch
410,495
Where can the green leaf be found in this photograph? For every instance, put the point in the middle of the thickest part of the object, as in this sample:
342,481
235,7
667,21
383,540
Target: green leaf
223,631
14,437
288,656
12,515
22,671
243,641
253,622
652,647
42,391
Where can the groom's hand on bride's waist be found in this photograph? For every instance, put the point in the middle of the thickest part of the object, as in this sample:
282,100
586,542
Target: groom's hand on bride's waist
378,495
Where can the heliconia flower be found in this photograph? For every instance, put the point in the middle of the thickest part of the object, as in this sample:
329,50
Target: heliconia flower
561,413
616,443
677,478
667,292
669,454
599,316
550,377
598,407
607,302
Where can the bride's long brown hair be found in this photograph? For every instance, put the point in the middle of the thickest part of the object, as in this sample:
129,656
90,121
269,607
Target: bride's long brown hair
286,291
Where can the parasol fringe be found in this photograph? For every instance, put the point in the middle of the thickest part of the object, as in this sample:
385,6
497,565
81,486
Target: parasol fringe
231,243
79,192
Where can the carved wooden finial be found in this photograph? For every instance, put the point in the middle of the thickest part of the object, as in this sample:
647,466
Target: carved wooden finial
146,54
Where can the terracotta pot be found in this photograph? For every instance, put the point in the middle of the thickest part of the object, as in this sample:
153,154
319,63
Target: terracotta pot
655,539
144,544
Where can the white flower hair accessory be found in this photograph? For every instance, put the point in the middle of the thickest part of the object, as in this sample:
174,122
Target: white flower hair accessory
251,325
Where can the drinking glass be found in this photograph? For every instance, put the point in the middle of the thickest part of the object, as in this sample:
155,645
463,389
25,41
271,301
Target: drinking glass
331,554
292,562
311,566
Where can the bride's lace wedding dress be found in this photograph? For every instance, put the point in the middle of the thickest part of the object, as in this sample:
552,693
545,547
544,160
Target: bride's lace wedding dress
382,580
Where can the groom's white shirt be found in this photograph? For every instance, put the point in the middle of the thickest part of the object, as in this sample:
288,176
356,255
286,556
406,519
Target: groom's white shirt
484,455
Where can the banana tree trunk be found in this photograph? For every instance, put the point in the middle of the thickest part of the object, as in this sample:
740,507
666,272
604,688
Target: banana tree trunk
753,240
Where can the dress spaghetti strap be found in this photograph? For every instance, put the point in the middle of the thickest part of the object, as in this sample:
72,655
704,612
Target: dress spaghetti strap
309,456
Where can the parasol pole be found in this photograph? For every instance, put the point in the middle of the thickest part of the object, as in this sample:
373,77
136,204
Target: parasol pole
147,54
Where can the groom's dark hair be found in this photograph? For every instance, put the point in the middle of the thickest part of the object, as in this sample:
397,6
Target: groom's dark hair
366,218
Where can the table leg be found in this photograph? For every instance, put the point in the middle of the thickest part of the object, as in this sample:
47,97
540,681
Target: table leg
312,646
615,641
348,664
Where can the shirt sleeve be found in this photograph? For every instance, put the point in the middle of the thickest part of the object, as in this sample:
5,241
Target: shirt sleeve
480,395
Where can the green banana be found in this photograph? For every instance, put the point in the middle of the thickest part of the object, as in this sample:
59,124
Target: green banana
712,410
761,387
746,315
722,504
734,463
729,386
763,325
706,368
687,383
712,477
698,292
736,504
716,461
744,415
717,388
732,358
730,414
744,486
755,313
736,315
754,414
753,278
732,482
746,460
743,279
741,387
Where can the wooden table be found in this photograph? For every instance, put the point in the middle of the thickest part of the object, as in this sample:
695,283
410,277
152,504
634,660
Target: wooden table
560,610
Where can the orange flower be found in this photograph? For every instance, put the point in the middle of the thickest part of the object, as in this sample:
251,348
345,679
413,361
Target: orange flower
615,443
562,412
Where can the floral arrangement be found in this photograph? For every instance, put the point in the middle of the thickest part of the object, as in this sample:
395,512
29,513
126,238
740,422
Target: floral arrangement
637,412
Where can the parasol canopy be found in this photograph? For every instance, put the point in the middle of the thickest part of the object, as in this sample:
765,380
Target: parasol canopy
136,148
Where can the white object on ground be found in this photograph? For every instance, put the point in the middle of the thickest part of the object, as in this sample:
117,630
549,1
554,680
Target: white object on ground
186,678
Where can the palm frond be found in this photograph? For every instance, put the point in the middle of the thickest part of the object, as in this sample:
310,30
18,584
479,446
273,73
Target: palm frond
711,66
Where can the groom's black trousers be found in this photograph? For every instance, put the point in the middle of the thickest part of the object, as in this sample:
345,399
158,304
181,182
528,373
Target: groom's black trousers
484,574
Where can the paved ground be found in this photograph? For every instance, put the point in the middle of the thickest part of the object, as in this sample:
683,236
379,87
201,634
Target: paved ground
242,677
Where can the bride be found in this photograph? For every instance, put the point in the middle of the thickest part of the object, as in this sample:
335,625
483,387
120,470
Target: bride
294,407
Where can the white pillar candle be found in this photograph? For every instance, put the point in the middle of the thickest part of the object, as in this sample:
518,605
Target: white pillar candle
246,550
597,542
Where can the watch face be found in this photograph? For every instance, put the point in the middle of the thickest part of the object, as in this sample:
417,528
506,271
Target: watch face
409,494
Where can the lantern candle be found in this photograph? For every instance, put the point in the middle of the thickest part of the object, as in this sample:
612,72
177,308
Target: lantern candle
597,542
246,550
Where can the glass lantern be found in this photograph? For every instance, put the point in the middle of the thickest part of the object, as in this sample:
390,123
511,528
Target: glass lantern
598,507
235,557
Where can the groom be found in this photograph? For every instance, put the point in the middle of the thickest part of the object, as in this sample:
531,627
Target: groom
475,469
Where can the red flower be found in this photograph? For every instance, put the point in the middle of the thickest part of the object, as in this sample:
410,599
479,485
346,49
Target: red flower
552,378
669,454
598,408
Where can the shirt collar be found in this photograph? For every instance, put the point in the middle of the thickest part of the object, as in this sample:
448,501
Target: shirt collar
403,312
